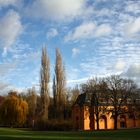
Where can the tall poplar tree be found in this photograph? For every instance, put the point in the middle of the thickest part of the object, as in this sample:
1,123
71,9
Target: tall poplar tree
44,77
60,86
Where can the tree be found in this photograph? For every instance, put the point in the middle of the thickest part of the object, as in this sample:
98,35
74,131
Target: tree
54,106
45,77
96,88
59,87
32,104
13,111
90,87
74,94
1,100
119,91
133,104
71,97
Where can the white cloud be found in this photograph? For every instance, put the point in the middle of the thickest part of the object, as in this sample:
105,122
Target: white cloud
11,28
3,85
73,76
4,53
83,31
75,51
103,12
6,67
133,72
57,9
4,88
4,3
133,27
52,33
102,30
78,81
133,6
120,65
88,30
72,73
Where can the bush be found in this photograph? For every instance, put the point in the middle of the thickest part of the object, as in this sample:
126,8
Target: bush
54,125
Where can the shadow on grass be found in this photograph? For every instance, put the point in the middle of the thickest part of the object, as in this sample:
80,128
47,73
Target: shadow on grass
19,134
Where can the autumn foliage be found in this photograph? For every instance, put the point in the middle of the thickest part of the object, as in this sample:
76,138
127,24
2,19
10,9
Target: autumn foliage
13,111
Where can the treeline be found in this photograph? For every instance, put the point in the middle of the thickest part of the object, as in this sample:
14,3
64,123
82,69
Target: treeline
40,110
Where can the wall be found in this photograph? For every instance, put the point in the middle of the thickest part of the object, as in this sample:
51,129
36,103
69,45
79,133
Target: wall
83,121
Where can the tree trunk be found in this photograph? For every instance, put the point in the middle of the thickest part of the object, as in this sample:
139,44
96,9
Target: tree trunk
92,119
97,120
97,115
115,121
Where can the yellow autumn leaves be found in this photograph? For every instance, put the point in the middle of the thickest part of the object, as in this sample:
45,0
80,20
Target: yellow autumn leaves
13,111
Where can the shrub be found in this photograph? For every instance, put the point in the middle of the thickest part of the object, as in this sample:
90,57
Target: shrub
54,125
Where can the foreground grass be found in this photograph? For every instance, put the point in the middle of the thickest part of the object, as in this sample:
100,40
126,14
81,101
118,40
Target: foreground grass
17,134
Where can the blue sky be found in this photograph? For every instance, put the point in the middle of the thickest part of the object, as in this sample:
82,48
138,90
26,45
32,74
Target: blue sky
96,38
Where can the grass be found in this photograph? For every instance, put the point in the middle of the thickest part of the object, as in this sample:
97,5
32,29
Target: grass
18,134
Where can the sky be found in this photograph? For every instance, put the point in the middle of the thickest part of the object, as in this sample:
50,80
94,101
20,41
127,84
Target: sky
95,37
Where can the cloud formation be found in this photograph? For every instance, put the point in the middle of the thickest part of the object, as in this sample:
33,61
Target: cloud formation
4,88
11,27
133,71
6,67
133,7
75,51
101,38
133,27
120,65
88,30
4,3
57,10
52,33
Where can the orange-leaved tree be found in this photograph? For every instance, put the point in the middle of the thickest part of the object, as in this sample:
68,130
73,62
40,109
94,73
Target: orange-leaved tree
13,111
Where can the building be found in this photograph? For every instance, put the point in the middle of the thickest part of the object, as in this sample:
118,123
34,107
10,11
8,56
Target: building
84,117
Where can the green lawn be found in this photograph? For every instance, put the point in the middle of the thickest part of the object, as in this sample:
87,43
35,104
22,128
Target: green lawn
17,134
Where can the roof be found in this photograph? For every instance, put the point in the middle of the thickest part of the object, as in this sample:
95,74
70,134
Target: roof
83,99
